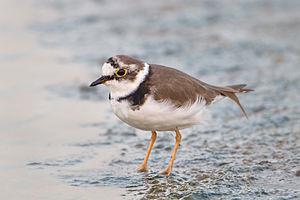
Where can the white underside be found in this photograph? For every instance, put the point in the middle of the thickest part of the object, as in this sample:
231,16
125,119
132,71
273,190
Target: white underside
159,116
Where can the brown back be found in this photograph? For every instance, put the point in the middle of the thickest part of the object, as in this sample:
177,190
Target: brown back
181,89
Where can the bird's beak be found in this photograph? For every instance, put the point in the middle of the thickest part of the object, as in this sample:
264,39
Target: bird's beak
100,80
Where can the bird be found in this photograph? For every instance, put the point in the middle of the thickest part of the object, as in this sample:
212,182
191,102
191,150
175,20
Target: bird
154,97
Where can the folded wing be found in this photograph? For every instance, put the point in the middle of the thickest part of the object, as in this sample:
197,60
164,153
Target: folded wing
181,89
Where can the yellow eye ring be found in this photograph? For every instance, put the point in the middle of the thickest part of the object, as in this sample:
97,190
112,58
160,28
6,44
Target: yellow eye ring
121,72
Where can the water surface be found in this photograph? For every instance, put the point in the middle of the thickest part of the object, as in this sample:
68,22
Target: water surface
59,138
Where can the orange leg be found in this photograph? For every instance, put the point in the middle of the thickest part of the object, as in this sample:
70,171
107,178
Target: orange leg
168,170
143,167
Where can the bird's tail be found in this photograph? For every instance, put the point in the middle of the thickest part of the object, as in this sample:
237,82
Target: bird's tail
230,92
240,88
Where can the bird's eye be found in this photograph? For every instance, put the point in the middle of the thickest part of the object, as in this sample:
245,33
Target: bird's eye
120,72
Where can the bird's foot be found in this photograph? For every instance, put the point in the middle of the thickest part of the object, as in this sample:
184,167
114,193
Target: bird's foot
166,171
143,168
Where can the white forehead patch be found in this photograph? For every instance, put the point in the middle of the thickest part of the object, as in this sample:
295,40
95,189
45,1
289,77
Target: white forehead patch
107,69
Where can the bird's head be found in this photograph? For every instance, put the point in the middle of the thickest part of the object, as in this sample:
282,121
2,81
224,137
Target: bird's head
122,75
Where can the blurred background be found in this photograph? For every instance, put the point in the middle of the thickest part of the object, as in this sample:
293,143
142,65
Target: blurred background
60,139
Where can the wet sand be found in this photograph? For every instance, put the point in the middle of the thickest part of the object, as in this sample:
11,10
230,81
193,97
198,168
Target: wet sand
35,124
60,140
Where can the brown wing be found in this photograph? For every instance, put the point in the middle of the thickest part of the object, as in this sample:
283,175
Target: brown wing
177,87
181,88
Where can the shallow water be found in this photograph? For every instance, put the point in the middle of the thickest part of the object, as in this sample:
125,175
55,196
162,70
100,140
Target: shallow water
59,138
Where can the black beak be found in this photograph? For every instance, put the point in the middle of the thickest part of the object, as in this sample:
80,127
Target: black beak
100,80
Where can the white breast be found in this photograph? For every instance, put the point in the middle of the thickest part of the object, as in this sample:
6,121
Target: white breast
160,116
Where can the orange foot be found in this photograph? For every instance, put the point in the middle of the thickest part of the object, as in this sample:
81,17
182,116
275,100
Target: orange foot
143,168
166,171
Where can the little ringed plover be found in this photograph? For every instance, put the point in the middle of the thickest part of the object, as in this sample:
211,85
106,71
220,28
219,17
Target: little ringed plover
154,98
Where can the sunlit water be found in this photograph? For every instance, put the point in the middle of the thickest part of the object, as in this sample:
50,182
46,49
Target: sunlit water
60,140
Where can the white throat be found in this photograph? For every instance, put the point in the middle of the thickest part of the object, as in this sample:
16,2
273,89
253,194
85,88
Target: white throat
123,88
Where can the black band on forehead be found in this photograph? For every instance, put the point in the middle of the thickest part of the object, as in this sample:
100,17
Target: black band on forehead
110,60
113,62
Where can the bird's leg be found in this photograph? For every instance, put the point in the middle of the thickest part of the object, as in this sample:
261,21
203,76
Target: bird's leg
168,170
143,167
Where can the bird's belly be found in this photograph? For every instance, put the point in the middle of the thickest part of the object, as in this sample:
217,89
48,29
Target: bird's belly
160,116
